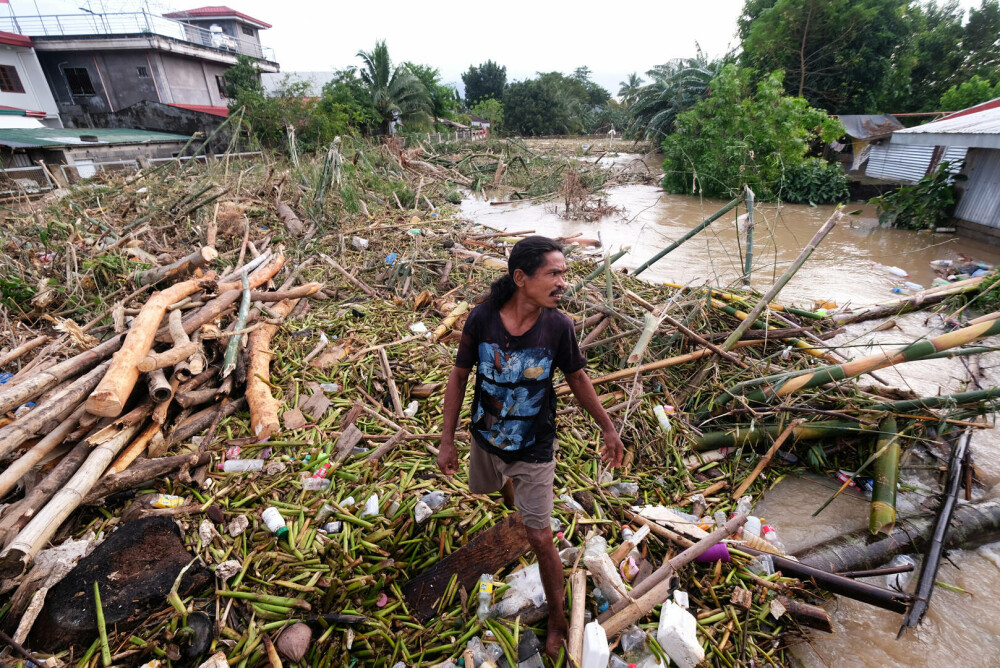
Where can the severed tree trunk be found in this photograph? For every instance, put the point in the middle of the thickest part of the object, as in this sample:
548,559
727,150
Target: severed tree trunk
263,406
199,258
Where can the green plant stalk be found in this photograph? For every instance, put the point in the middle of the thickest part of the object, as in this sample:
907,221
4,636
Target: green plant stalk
102,630
882,516
693,231
748,195
766,433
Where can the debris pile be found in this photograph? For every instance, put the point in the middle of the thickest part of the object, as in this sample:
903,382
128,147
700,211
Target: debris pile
261,355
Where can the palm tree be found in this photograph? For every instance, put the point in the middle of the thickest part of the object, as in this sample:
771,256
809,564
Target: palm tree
396,94
676,86
629,89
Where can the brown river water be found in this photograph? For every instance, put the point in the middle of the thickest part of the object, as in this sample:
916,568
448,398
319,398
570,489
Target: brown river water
847,268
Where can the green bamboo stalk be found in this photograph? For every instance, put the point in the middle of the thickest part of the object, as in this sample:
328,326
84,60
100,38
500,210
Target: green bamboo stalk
749,245
744,435
935,402
102,630
781,282
594,274
882,517
229,360
693,231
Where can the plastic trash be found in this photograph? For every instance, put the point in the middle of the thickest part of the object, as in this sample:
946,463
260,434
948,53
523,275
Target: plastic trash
571,503
899,581
718,552
634,646
896,271
568,555
5,376
331,387
555,524
533,661
421,512
941,264
915,287
629,568
761,565
618,662
324,513
315,484
600,600
771,536
241,465
677,633
624,489
411,409
485,596
602,569
419,328
898,291
390,259
752,526
333,527
275,522
360,243
371,506
323,469
167,501
663,413
744,505
595,646
23,409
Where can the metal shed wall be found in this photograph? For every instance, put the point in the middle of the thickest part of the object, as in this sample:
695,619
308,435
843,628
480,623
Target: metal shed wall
899,162
980,199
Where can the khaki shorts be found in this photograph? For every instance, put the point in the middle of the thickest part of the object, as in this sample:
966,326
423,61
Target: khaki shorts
533,483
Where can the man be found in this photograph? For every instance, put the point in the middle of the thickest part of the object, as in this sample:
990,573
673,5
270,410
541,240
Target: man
517,338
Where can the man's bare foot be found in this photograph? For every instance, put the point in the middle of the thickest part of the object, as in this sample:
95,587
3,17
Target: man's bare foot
555,639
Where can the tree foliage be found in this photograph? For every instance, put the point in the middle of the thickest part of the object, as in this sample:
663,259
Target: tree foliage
553,103
444,98
972,92
395,93
743,134
484,82
490,110
674,87
628,90
838,54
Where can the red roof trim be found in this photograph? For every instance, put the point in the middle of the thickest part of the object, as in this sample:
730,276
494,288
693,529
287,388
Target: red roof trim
215,11
205,109
992,104
14,39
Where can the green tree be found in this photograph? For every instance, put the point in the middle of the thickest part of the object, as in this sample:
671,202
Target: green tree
835,53
674,87
346,94
972,92
484,82
628,90
444,98
395,93
981,41
743,134
533,107
491,110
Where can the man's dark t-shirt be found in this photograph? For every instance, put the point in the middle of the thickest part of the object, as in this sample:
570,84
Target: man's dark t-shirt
514,405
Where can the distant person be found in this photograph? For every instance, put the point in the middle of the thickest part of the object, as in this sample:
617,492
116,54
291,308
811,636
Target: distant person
516,339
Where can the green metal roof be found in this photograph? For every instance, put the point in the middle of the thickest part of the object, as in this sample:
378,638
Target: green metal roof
37,137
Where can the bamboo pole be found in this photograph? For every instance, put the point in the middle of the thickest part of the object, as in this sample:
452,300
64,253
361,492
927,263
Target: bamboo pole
354,280
17,556
781,282
460,309
693,231
882,515
595,273
24,463
578,587
936,402
745,435
748,197
731,297
111,394
911,303
745,317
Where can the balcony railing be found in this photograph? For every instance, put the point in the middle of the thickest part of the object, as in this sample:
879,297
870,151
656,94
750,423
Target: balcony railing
131,23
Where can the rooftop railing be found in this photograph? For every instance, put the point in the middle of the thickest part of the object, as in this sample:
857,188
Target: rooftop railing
131,23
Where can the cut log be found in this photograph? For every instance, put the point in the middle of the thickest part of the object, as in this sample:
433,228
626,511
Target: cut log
142,472
493,549
263,406
807,615
578,587
289,219
114,389
199,258
167,358
28,460
158,386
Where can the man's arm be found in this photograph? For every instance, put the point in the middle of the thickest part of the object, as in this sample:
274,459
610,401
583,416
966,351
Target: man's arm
447,459
583,390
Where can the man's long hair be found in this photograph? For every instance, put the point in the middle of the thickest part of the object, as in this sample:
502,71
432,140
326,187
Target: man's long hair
527,255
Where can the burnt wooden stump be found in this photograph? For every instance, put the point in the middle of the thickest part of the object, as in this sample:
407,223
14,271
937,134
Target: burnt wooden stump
135,567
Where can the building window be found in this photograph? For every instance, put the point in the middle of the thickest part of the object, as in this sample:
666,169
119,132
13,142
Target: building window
79,82
247,30
9,81
142,71
220,81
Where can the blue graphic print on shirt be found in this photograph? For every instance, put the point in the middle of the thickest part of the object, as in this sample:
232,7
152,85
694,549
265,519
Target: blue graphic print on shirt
505,393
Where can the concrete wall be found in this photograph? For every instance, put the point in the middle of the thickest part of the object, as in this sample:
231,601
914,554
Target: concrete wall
36,95
160,117
54,63
113,152
192,81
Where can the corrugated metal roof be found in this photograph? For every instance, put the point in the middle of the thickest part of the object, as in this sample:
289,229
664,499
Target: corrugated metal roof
977,130
980,200
869,126
992,104
893,162
32,137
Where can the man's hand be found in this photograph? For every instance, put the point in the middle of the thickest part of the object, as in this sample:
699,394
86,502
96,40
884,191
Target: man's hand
447,459
613,450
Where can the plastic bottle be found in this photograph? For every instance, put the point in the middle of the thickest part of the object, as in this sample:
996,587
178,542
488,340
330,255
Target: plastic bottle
275,522
323,514
618,662
331,387
167,501
744,505
485,596
323,469
752,526
315,484
634,645
595,646
371,506
601,600
896,271
898,291
720,518
916,287
241,465
771,536
624,489
899,581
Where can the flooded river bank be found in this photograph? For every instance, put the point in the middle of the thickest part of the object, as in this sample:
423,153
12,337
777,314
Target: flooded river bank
847,268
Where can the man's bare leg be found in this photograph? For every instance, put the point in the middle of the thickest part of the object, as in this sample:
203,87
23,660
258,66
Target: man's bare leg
507,492
550,568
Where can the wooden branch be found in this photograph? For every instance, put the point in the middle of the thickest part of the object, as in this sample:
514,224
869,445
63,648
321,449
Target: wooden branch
180,338
263,406
289,219
142,472
46,416
17,556
28,460
172,357
114,389
158,385
257,277
397,406
160,411
378,452
197,397
766,459
578,586
26,347
201,421
357,282
135,448
199,258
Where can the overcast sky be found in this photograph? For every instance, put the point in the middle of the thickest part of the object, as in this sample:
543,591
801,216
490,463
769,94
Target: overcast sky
526,36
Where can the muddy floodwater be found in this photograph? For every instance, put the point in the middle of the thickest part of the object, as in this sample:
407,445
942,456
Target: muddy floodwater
847,268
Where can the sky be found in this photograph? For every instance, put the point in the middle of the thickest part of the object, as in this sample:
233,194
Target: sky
526,36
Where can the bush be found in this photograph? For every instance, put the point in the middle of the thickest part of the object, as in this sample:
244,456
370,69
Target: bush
814,182
922,206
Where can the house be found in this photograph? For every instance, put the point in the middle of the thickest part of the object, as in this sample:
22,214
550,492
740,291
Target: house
70,155
478,121
25,99
100,64
976,129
